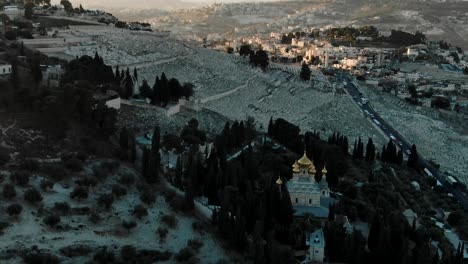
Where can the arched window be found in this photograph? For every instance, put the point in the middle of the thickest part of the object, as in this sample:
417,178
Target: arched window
310,201
297,200
323,192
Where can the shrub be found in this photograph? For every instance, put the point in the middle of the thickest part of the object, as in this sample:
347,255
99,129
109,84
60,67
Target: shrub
29,165
162,233
14,209
62,207
94,217
105,200
52,220
126,179
86,181
139,211
128,253
148,197
118,190
21,177
79,193
56,171
185,255
169,220
35,258
82,156
9,191
454,218
104,256
110,166
32,195
46,184
129,225
4,156
74,164
195,244
100,173
75,251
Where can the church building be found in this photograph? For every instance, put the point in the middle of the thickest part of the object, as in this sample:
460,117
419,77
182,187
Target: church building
308,195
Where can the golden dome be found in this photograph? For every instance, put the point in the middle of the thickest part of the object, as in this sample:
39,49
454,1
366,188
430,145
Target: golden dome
296,168
312,168
279,181
324,170
304,161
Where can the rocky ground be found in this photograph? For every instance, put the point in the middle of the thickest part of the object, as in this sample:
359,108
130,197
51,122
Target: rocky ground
435,138
74,229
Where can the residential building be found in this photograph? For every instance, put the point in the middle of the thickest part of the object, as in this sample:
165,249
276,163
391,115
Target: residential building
316,243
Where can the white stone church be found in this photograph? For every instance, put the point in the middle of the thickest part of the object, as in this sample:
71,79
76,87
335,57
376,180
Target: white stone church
308,195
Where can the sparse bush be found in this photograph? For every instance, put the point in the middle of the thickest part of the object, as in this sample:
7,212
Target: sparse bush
162,233
32,195
21,177
75,251
128,253
129,225
118,190
186,255
74,164
46,185
35,258
86,181
195,244
100,173
169,220
14,209
148,197
79,192
9,191
56,171
94,217
82,156
104,256
198,227
139,211
105,200
29,165
52,220
4,156
126,179
110,166
62,207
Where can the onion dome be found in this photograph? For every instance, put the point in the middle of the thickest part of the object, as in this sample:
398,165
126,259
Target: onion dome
312,169
296,168
324,170
304,161
279,181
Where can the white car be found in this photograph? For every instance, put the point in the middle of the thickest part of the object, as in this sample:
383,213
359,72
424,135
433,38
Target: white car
408,152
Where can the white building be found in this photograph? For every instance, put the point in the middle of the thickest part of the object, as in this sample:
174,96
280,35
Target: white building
13,12
308,195
5,69
316,243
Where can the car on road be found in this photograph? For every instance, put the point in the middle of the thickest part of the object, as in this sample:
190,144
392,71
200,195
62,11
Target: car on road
400,143
408,152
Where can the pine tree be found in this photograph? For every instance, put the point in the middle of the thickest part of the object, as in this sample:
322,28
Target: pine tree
305,72
400,157
164,89
145,90
117,74
178,173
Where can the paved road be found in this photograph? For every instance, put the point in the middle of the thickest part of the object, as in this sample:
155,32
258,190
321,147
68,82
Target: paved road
398,138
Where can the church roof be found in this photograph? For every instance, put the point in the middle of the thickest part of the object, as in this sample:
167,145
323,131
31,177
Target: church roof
296,167
304,161
324,170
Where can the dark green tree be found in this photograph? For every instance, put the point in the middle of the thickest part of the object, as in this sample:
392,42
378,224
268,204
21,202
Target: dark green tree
305,72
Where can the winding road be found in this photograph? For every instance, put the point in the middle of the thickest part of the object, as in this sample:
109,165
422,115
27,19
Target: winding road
399,139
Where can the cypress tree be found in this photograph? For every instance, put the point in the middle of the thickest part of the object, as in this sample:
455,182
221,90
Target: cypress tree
124,144
413,158
305,72
370,150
